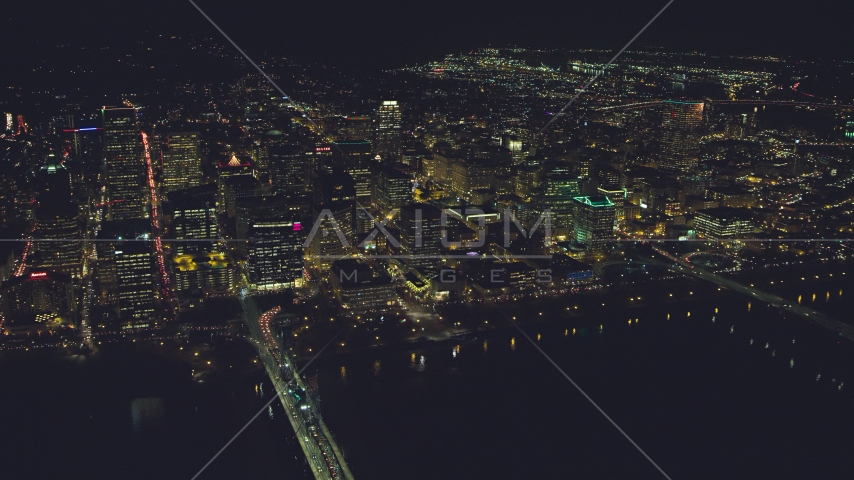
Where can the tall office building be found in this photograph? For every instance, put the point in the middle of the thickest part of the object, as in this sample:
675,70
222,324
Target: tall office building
110,239
355,128
235,188
558,197
276,253
134,263
289,170
336,194
392,189
514,144
268,206
420,226
227,173
182,161
56,219
472,174
593,221
389,141
124,163
56,222
681,130
354,157
609,178
199,268
53,180
193,214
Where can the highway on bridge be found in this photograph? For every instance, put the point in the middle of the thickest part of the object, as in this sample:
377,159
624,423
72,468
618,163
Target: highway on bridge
314,437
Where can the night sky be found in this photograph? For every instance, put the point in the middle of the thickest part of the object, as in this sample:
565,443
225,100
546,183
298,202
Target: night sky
385,33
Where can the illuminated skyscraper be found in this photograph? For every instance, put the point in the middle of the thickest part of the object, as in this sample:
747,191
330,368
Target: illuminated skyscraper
125,271
194,218
392,189
681,129
229,187
355,128
289,168
560,190
134,263
235,188
56,222
334,196
593,221
354,157
275,254
125,171
182,162
109,247
420,226
389,146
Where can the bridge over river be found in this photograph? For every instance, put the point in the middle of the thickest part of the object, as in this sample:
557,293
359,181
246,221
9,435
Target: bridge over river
683,266
317,443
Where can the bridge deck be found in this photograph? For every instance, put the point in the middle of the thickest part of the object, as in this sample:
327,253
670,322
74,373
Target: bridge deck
317,443
826,321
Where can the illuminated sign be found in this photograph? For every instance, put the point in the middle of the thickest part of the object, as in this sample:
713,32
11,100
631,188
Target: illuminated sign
84,129
297,226
323,149
38,274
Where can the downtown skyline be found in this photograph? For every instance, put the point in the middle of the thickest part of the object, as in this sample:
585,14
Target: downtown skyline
315,199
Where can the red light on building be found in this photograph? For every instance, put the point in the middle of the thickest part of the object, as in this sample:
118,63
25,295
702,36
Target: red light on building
38,274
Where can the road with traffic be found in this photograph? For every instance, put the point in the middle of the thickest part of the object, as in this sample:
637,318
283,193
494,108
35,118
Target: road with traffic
317,443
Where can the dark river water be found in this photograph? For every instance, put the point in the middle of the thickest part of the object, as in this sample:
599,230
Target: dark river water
132,412
705,399
701,401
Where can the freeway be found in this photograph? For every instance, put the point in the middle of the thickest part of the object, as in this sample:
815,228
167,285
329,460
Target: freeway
317,443
826,321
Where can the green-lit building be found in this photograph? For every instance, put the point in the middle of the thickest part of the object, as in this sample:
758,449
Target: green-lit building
593,221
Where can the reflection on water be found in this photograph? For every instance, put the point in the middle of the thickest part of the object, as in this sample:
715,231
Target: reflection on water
697,366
